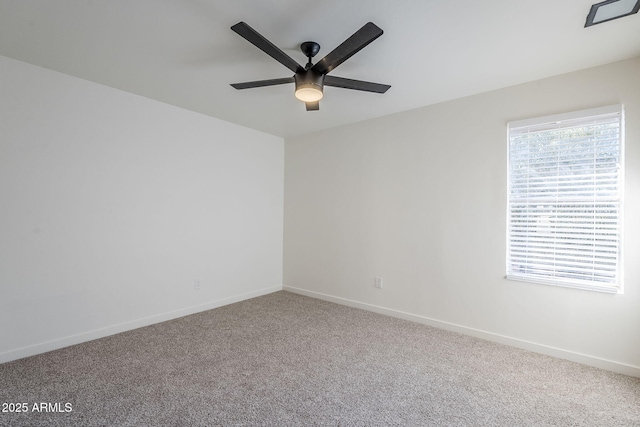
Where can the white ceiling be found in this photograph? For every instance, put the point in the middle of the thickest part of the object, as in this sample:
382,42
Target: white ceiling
182,52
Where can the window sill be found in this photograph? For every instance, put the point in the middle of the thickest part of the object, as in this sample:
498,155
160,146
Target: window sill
567,284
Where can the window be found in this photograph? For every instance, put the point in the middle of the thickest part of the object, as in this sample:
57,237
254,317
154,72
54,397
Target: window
565,199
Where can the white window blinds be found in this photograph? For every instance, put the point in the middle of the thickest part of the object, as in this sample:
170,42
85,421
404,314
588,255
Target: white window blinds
565,199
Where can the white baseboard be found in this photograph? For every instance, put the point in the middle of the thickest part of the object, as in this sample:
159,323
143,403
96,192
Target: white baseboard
55,344
585,359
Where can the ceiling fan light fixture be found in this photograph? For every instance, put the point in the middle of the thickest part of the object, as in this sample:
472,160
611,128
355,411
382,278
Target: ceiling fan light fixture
309,93
309,86
611,9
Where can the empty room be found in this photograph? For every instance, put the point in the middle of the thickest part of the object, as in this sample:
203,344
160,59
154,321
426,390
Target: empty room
341,213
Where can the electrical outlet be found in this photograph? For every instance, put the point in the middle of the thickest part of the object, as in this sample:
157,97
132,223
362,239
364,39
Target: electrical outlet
379,282
196,284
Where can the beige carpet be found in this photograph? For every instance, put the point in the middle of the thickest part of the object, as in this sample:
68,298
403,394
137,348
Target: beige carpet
288,360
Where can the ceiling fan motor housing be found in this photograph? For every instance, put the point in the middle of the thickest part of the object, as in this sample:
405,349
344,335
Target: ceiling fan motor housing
309,85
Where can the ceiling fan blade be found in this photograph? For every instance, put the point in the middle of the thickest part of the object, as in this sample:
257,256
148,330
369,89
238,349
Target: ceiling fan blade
261,83
355,84
361,38
313,106
266,46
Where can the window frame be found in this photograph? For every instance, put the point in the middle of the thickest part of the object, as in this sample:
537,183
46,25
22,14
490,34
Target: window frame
547,123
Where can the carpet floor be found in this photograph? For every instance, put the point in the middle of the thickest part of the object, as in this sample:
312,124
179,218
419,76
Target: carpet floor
288,360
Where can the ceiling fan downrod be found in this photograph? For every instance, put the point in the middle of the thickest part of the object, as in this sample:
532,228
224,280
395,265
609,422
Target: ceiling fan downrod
309,49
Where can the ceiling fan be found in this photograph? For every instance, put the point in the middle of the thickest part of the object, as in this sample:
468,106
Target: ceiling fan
311,79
